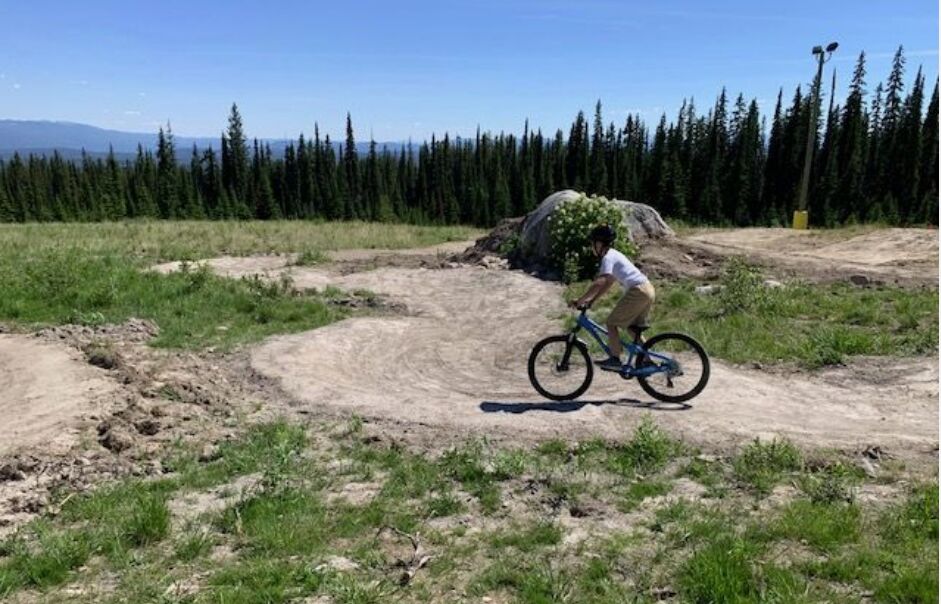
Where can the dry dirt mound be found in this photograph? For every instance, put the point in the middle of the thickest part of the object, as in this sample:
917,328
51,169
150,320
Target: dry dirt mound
45,390
892,255
267,264
460,362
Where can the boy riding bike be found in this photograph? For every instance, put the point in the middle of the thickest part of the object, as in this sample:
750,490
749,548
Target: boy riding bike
633,308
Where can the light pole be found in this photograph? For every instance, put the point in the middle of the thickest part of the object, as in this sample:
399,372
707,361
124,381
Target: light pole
823,55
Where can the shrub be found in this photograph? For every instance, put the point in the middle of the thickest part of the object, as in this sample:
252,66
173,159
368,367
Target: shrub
569,226
742,288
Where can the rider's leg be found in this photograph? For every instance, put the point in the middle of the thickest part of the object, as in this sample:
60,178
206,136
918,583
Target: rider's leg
633,308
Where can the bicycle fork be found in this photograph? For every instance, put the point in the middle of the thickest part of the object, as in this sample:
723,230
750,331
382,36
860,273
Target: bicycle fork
563,365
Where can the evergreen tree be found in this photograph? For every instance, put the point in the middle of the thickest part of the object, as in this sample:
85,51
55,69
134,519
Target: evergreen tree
928,179
599,177
167,187
235,161
353,190
851,193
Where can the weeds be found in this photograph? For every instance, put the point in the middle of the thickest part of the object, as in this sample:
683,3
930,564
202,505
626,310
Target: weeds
833,485
761,464
310,257
284,531
648,450
742,288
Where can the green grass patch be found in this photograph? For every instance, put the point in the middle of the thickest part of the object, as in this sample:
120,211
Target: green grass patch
824,546
111,522
528,538
895,553
467,465
44,558
648,450
814,325
94,273
193,307
262,582
193,545
310,257
637,492
760,465
530,581
268,448
823,526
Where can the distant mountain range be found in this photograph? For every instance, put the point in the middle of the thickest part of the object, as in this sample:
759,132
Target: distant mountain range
69,139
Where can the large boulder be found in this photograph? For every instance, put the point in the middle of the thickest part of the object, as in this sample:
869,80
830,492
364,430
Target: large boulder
643,223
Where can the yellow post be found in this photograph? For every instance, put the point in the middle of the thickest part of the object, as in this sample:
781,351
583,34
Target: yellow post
800,219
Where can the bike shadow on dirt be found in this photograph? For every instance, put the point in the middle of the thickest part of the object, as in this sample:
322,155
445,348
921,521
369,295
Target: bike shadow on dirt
570,406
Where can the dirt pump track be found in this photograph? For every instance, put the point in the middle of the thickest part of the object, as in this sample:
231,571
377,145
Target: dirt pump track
456,359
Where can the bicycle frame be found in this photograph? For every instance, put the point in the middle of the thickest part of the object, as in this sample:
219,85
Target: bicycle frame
632,348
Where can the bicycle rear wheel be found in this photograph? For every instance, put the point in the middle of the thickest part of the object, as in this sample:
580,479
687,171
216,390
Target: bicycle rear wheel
682,367
560,369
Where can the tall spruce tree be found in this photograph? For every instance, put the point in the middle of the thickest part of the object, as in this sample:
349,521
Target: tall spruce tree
167,186
598,178
235,166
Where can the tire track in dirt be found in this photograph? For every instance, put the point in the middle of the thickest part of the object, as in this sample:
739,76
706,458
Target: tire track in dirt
45,390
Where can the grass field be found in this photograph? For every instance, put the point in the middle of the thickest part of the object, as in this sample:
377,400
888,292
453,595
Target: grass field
589,521
153,241
93,274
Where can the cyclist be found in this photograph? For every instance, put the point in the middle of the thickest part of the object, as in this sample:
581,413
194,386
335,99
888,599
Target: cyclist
634,306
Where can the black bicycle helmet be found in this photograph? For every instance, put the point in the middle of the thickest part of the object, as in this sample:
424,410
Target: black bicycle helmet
604,233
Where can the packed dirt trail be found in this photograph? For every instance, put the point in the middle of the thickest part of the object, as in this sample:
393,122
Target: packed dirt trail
458,360
906,256
45,390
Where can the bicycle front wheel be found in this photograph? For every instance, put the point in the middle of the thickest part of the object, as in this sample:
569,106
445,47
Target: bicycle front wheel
681,367
560,368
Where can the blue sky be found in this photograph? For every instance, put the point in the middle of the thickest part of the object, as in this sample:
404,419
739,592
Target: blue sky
407,69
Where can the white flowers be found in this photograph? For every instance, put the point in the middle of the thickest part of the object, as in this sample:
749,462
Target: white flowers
569,226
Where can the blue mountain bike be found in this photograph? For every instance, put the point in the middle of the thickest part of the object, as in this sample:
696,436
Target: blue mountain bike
670,367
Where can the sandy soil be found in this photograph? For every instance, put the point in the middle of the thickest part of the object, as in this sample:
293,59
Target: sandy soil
236,266
45,390
460,361
891,255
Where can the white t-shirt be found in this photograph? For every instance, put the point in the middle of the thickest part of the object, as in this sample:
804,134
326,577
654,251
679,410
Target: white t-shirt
615,263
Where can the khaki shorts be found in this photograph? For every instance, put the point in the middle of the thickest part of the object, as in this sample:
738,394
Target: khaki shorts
634,306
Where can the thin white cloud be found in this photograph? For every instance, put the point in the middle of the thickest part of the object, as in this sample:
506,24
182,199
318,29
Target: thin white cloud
131,112
16,86
928,52
141,94
3,76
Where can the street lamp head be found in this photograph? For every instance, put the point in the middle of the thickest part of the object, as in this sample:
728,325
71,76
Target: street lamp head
832,46
818,50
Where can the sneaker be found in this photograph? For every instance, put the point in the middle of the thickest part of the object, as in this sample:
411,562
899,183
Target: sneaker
610,364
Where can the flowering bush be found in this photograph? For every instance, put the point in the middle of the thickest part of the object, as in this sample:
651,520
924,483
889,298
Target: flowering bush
569,226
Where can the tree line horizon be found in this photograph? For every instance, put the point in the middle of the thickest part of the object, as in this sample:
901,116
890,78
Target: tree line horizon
874,161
